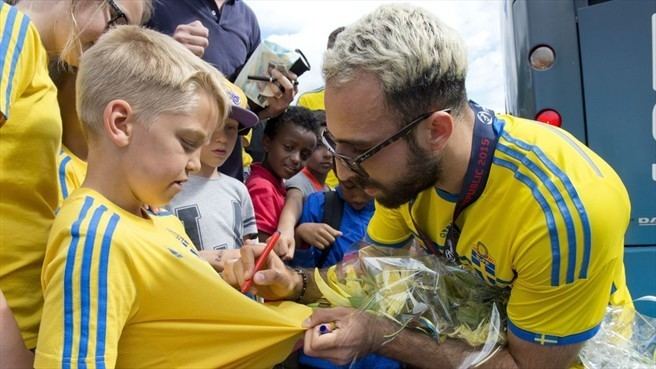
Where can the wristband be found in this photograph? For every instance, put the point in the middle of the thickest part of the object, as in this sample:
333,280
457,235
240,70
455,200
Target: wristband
304,278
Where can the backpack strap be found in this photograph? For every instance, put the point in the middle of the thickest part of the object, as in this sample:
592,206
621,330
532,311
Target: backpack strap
333,207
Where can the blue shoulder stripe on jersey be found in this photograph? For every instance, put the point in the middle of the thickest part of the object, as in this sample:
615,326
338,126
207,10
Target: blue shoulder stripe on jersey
68,283
550,340
558,198
14,61
103,266
396,245
62,176
7,32
551,224
85,285
583,273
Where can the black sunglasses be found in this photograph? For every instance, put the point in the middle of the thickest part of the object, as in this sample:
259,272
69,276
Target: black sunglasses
116,16
355,164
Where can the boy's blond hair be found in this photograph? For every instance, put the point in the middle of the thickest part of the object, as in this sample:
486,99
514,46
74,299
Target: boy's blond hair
151,71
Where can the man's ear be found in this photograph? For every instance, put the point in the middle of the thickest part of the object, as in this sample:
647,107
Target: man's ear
440,127
117,122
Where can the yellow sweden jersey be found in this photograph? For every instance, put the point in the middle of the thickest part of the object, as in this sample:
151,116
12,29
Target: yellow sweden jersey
29,142
550,224
125,291
313,100
71,172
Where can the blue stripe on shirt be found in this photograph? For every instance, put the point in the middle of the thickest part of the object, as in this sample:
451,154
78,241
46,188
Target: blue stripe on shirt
69,322
85,286
25,22
558,198
7,32
62,176
551,224
103,266
578,204
551,340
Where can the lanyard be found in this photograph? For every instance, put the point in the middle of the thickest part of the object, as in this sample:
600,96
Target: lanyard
484,143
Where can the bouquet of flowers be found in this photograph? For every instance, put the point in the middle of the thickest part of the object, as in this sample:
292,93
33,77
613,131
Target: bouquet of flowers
442,300
422,292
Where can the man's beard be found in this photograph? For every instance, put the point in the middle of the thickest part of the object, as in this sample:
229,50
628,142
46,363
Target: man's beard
423,172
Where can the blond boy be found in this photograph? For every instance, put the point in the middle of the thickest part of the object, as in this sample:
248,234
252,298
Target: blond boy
125,287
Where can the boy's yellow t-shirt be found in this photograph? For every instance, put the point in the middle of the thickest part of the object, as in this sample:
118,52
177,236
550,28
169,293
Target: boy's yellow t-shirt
125,291
29,142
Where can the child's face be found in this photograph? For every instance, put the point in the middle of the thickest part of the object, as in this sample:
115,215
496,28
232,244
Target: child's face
163,152
289,150
221,145
321,160
354,195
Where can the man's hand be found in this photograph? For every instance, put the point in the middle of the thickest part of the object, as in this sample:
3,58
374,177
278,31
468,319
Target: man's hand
193,36
319,235
355,334
274,282
284,90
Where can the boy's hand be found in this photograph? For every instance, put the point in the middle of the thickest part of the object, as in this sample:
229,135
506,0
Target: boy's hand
274,282
319,235
286,245
193,36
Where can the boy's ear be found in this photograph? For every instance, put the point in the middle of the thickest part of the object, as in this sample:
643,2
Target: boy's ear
440,128
116,122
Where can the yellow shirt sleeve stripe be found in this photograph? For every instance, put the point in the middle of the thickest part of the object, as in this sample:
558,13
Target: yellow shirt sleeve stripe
85,286
524,161
101,325
61,175
551,222
69,309
576,201
11,41
81,310
551,340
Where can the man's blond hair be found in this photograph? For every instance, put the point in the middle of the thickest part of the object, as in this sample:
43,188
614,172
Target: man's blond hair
151,71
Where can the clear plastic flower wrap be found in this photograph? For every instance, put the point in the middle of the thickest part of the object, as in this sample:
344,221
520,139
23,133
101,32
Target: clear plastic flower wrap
442,300
626,339
422,292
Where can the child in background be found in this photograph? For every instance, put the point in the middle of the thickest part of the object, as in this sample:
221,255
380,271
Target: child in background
124,287
215,208
347,209
312,178
288,143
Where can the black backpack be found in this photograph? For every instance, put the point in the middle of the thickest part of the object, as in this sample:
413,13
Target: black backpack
333,207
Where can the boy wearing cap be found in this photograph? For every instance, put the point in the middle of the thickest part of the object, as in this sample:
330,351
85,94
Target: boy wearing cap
216,209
